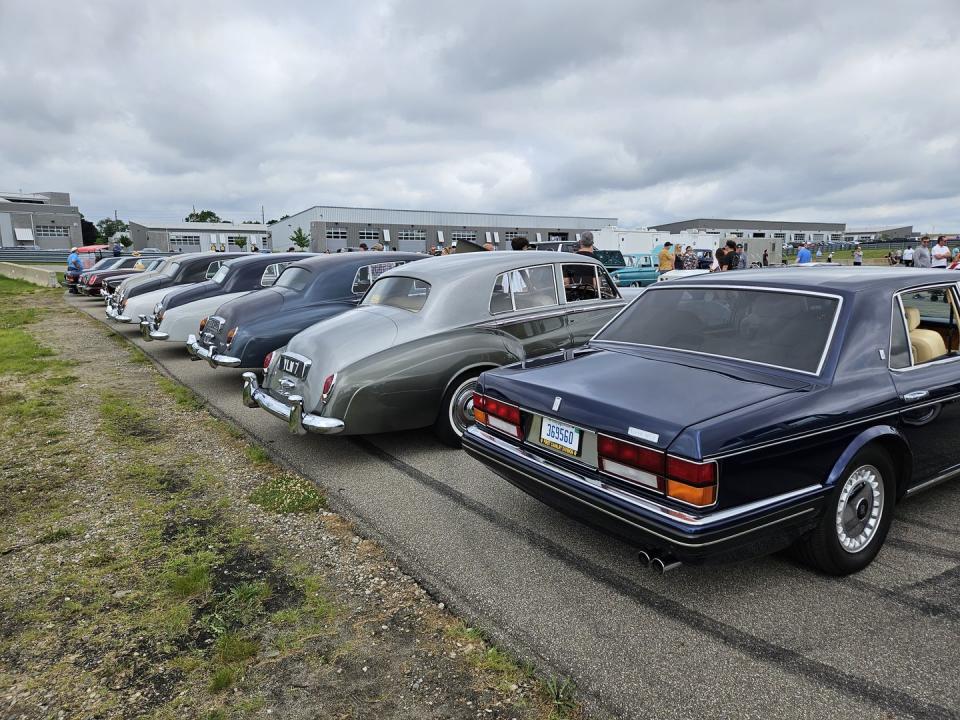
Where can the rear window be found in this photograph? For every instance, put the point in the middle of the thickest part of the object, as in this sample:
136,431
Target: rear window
294,278
221,274
402,292
788,330
368,273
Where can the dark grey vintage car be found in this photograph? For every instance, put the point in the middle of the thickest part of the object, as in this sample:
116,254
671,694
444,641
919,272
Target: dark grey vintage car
409,355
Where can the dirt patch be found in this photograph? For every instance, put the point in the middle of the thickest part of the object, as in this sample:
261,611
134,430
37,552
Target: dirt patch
181,574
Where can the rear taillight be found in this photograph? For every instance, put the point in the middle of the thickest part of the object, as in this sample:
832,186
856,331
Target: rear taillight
497,415
203,324
91,280
231,335
267,360
634,463
690,482
327,387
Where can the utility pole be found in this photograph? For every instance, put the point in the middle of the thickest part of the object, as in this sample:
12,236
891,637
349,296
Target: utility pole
263,218
115,216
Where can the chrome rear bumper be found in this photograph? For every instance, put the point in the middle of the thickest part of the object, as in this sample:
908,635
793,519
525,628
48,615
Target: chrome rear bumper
297,420
199,352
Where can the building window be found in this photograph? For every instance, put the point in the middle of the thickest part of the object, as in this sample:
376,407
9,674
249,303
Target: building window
468,235
336,233
405,236
818,237
180,241
759,235
232,240
737,234
779,236
799,237
368,235
511,234
52,231
836,237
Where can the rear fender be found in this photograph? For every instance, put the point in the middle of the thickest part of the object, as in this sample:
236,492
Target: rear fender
891,440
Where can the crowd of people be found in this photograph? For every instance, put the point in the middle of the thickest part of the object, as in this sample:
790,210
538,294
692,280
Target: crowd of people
730,256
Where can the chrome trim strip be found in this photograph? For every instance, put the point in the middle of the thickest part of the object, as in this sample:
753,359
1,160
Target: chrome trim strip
667,512
759,288
627,521
926,485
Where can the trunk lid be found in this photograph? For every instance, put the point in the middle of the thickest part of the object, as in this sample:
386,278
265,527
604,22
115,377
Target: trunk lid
631,395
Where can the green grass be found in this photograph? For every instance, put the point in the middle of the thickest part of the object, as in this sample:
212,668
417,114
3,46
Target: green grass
189,577
55,536
223,678
182,395
8,286
288,494
233,648
256,454
123,420
559,693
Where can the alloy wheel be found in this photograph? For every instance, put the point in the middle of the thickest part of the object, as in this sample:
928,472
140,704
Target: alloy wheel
859,508
460,410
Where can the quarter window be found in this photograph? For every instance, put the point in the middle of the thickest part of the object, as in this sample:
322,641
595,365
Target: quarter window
524,289
368,273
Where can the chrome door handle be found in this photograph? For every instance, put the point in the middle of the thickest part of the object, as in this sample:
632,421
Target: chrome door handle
916,395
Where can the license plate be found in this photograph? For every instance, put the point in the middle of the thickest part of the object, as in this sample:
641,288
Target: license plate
560,436
289,365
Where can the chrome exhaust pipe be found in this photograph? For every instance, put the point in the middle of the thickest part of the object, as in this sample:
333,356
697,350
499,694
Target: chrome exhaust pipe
665,565
645,558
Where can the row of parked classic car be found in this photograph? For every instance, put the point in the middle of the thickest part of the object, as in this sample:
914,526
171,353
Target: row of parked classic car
712,418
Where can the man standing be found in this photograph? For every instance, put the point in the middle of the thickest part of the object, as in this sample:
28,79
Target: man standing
941,254
665,258
741,258
804,256
921,257
117,248
766,259
585,245
729,260
908,256
74,268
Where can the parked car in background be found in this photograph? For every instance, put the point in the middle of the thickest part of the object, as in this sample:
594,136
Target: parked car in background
640,270
823,398
409,355
110,282
150,250
242,331
90,281
178,314
128,303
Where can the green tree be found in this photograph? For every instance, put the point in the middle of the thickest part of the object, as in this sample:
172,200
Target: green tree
300,239
275,221
108,227
126,241
203,216
240,242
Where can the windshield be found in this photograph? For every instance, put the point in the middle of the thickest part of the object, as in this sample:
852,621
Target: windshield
788,330
221,274
402,292
295,278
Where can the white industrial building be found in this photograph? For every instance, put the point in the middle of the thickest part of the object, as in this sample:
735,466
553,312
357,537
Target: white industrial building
333,228
198,236
44,220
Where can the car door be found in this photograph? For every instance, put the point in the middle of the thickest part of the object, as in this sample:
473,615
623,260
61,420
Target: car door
590,299
525,305
927,377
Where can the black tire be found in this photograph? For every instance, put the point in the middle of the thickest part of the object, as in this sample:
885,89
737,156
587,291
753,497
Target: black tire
452,419
861,504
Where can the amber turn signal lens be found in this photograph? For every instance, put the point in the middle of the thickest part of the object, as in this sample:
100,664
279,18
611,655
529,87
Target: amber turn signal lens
479,415
701,496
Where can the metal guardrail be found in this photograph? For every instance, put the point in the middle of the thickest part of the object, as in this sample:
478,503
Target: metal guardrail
52,256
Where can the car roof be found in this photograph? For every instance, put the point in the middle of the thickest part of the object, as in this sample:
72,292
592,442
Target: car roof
851,279
484,264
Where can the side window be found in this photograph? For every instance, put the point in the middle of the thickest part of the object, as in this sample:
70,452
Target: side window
930,318
606,285
899,344
368,273
524,289
212,269
580,282
271,274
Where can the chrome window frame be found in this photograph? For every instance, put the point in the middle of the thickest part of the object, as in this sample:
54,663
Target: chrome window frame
955,291
513,302
827,346
393,263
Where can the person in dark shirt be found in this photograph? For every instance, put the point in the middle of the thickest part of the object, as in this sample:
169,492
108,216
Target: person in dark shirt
520,242
730,260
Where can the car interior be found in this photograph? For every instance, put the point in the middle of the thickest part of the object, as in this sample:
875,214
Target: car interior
930,317
531,287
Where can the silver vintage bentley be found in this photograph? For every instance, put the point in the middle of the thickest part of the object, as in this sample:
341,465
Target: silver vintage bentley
409,355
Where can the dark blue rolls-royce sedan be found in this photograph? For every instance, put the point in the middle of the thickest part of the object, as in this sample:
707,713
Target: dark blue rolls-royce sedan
736,414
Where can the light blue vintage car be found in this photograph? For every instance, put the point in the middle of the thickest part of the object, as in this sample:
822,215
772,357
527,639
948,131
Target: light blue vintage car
640,270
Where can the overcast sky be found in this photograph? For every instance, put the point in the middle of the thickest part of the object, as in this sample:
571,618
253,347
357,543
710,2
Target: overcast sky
646,111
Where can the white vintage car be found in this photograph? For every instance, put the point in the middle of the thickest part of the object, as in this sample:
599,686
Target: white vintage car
177,314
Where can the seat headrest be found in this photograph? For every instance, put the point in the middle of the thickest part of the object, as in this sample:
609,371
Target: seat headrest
913,318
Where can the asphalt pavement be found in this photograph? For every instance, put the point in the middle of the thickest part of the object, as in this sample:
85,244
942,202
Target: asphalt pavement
762,639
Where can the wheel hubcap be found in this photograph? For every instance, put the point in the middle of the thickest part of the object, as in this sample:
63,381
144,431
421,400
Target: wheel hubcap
461,406
859,508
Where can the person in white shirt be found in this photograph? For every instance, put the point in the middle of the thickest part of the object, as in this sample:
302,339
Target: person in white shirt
908,256
940,253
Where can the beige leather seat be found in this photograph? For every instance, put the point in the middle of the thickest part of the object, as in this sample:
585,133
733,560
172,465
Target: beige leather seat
927,345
